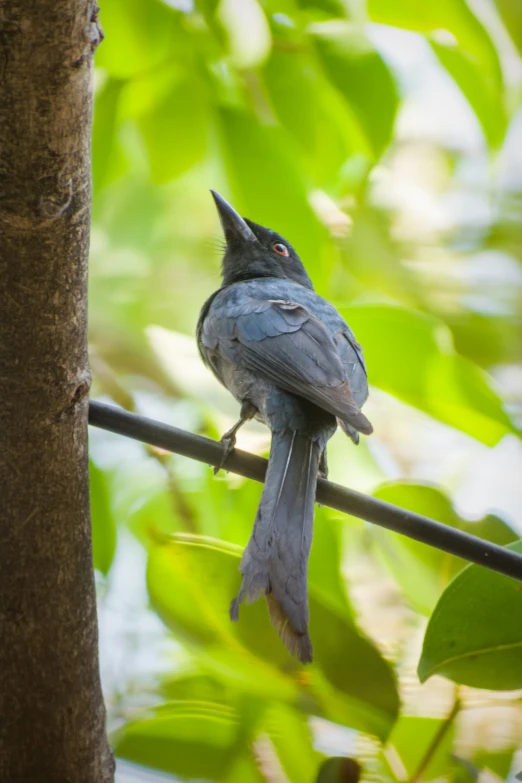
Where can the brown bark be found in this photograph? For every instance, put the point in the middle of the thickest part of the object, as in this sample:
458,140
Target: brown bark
52,716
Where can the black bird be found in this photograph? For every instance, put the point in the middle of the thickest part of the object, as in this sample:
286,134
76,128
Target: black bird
292,362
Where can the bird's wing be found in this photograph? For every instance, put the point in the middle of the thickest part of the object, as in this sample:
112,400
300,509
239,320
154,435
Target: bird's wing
284,343
352,359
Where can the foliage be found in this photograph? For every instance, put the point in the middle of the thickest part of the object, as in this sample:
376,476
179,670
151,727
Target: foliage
297,110
471,637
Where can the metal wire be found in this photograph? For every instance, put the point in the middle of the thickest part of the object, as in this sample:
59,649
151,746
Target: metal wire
407,523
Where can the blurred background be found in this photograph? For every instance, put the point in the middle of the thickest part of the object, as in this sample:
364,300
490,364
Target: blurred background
384,141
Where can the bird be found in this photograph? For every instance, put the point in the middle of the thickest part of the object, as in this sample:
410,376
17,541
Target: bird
291,361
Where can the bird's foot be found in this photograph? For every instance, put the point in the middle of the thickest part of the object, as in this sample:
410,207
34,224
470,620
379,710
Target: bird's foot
248,411
229,442
323,466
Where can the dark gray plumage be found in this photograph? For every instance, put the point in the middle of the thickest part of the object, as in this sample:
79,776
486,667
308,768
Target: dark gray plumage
291,360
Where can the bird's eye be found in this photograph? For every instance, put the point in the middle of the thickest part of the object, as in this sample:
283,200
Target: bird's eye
281,249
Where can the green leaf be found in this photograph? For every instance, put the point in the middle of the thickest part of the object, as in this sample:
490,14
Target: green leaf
482,94
108,159
464,49
474,636
363,79
364,683
312,110
176,131
191,738
335,8
102,520
266,182
498,762
192,580
452,16
423,571
412,740
410,355
138,36
511,13
292,739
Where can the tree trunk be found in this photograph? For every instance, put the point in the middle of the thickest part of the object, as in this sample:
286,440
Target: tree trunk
52,716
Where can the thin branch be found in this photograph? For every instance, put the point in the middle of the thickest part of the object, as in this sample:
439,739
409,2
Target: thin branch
407,523
435,744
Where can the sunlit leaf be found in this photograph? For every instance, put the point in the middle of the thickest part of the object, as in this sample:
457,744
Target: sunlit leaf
355,669
176,131
191,582
482,94
362,78
247,31
511,13
464,49
108,158
265,181
452,16
473,636
420,744
139,35
309,106
292,739
103,524
195,739
330,7
410,355
423,571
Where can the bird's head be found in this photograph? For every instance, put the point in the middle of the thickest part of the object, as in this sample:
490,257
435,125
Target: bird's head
253,251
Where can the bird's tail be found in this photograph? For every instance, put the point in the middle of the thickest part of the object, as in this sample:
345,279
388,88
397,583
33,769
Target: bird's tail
275,561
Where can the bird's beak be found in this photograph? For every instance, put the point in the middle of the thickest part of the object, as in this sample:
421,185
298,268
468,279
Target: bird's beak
234,227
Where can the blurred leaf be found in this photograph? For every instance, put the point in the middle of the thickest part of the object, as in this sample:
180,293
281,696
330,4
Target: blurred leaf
190,589
313,112
355,669
292,739
153,515
412,741
103,524
498,762
330,7
473,637
482,94
139,35
324,568
423,571
247,31
452,16
486,339
191,582
266,181
410,355
474,65
176,131
362,77
108,159
511,13
194,739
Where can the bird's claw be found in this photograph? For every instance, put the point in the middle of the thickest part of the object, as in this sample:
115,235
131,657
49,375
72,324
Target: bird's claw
323,466
229,443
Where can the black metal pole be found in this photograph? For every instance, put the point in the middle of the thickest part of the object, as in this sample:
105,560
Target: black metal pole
335,496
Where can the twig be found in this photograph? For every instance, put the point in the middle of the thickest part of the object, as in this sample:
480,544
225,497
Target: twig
435,743
407,523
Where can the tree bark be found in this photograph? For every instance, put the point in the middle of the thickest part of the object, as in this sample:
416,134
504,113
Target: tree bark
52,716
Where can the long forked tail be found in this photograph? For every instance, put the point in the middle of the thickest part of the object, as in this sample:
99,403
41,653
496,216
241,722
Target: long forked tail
275,561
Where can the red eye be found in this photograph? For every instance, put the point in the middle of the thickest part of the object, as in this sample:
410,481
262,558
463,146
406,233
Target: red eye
281,249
